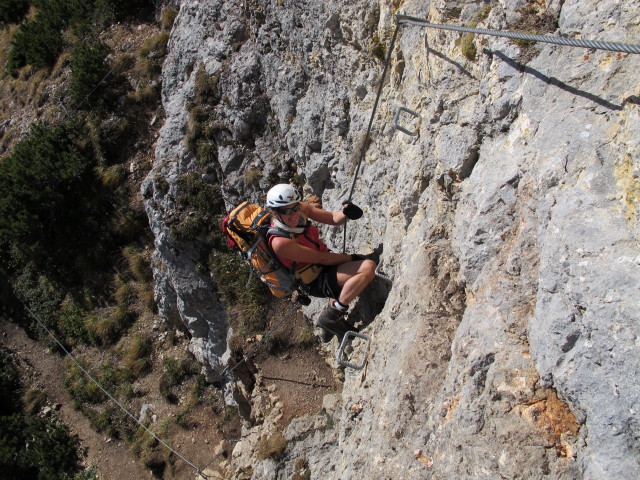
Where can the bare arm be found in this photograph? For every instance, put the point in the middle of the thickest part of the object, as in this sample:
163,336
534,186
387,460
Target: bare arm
323,216
288,248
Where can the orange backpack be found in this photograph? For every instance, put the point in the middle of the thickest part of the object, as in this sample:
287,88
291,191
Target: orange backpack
246,228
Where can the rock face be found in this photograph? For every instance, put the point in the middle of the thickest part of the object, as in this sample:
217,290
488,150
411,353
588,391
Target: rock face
507,346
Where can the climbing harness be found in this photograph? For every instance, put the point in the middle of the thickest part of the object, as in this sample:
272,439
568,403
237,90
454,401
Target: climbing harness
570,42
340,353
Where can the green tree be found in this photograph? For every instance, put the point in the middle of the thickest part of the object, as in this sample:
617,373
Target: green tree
53,207
31,447
89,69
9,384
12,11
39,41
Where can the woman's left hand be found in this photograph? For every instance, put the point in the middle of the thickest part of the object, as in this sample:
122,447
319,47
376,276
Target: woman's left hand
351,211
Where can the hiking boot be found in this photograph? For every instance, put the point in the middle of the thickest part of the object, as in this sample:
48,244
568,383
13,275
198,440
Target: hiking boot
331,321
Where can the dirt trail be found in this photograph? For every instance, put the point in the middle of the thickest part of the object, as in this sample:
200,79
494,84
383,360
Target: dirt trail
113,459
297,374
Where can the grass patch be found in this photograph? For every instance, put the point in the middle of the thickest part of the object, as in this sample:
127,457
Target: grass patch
378,49
136,356
34,400
534,18
468,47
168,17
246,298
174,372
271,446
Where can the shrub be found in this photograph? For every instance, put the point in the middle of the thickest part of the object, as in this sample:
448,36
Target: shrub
12,11
115,423
155,47
174,372
88,72
151,53
138,264
36,290
124,294
378,49
52,206
108,330
114,176
198,201
468,47
34,400
136,357
252,177
121,9
168,17
271,446
90,473
82,390
9,383
39,42
52,451
149,95
31,448
246,299
71,322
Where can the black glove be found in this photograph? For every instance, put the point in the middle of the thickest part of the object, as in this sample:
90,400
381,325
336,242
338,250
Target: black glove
355,257
351,211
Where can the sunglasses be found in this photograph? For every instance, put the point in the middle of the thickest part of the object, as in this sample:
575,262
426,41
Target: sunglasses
289,211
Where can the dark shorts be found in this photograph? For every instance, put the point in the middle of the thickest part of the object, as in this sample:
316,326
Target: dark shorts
326,285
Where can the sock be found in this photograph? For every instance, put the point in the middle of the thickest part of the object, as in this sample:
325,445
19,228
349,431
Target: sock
339,306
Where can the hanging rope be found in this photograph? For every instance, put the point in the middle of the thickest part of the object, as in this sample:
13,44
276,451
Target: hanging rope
570,42
367,136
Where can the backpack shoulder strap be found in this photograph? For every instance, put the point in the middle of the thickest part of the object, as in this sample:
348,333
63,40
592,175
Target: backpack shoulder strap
278,232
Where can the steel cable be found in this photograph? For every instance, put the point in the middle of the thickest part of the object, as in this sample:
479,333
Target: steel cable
367,137
111,397
571,42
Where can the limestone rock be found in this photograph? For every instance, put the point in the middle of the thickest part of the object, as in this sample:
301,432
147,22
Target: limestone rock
507,344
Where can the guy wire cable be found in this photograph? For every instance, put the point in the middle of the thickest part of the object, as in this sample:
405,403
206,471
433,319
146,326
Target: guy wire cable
111,397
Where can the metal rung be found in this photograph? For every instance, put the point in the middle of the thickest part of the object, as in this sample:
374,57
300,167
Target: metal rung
396,117
343,344
380,274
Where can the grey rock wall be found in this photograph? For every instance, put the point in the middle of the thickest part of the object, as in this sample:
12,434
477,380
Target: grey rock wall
507,346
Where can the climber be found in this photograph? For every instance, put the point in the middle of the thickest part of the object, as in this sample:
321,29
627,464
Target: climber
338,276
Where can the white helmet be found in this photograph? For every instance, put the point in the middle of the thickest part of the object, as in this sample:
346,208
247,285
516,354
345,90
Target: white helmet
282,195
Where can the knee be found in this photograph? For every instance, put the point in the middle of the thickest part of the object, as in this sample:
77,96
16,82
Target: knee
369,269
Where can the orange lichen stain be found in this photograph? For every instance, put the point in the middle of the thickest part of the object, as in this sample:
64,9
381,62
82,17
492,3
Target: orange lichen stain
451,406
554,419
629,186
426,461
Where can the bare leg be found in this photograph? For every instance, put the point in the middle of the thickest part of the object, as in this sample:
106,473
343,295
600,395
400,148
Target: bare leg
354,277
